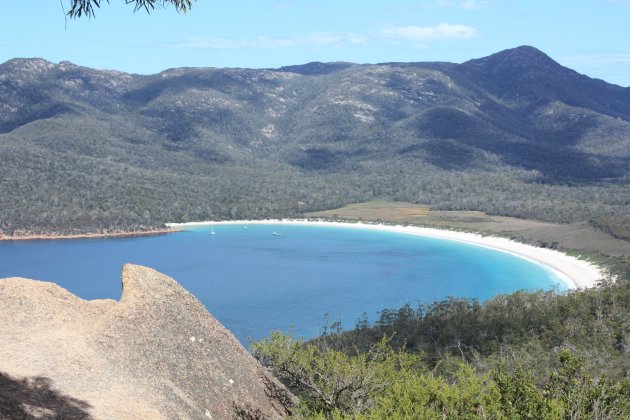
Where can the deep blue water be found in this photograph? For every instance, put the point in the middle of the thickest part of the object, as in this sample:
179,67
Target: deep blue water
254,282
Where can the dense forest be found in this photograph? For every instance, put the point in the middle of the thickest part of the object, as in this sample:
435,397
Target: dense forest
85,150
523,355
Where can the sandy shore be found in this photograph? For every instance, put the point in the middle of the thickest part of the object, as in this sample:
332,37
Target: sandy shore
88,235
575,273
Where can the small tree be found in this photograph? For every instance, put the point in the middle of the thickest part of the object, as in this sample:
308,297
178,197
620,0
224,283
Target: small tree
333,382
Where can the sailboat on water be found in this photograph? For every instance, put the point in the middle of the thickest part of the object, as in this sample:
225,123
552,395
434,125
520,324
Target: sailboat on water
212,232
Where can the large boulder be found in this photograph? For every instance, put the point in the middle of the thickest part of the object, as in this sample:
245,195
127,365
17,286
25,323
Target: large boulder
157,353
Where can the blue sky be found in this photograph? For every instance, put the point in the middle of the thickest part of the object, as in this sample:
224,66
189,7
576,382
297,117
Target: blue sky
591,36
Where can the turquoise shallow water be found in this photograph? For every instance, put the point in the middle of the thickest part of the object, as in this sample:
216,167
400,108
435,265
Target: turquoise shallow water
254,282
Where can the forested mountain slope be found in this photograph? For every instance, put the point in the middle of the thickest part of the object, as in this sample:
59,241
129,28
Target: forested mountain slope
514,133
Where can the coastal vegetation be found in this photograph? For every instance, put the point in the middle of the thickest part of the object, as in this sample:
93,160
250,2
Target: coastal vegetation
384,383
523,355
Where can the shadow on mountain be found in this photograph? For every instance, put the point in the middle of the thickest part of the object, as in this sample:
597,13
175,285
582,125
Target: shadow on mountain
34,397
39,112
455,135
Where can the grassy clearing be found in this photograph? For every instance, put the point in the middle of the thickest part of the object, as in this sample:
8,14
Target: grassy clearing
580,236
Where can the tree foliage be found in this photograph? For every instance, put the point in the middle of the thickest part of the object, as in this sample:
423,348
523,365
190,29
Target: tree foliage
79,8
385,383
529,325
332,381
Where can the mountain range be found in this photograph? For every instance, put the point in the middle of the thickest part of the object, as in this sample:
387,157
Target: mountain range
514,133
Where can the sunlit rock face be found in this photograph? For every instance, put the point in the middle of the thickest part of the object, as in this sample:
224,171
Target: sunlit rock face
157,353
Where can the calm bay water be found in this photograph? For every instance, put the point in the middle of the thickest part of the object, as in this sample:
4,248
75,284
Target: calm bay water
254,282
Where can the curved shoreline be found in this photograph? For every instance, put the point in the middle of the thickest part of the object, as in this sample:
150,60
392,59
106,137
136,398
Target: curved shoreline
575,273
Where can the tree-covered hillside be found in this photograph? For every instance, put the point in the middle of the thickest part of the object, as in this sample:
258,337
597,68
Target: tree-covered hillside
513,134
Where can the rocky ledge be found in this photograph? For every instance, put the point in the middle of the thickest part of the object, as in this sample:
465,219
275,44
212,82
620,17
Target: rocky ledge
157,353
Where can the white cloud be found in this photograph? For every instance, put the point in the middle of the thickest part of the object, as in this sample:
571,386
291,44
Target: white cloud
320,38
397,35
473,4
425,33
291,4
469,4
356,39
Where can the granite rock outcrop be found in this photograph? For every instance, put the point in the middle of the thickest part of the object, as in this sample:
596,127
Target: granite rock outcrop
156,353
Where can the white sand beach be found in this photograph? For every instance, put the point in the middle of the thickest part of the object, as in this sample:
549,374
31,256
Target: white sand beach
575,273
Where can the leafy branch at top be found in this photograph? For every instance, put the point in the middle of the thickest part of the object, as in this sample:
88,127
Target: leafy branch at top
79,8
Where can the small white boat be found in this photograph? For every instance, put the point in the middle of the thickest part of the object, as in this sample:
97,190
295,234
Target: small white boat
276,234
213,232
244,227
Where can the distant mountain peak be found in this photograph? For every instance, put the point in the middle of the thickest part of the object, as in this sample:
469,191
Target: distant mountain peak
317,67
28,64
29,60
524,50
519,57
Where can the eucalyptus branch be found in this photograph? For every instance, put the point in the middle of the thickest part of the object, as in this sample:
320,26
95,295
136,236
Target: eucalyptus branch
87,8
